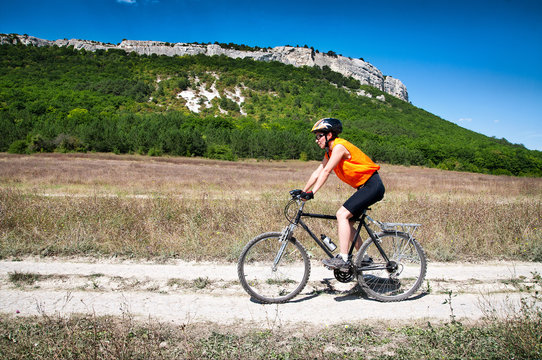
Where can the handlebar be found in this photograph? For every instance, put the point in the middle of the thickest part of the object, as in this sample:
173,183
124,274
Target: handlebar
296,194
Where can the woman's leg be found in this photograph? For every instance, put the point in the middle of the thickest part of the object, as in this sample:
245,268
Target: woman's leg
371,192
353,232
345,229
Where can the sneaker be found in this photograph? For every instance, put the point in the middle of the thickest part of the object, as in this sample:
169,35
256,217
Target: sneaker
336,263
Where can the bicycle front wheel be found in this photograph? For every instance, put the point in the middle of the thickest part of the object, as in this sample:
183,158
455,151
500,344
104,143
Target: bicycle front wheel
396,279
272,271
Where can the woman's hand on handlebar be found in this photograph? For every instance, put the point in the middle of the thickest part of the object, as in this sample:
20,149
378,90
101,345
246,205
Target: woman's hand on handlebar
300,194
307,195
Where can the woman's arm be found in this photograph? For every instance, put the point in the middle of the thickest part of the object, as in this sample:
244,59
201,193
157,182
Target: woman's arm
314,177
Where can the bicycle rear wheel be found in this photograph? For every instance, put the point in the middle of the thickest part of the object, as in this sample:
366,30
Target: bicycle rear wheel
396,279
267,282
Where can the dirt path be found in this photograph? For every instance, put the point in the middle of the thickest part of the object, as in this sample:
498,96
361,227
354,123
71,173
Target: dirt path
199,292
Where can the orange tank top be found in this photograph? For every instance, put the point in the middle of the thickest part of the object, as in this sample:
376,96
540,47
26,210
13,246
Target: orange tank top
356,170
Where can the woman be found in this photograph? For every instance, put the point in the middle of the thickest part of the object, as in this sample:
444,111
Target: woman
353,167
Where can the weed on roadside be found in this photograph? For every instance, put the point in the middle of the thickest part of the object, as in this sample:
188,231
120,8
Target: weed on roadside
23,278
199,283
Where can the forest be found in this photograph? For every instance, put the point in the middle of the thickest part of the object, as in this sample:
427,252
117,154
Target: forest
67,100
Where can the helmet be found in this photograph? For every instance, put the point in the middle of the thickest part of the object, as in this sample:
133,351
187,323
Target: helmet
328,125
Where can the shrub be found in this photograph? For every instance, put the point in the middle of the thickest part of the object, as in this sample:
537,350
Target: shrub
220,152
66,143
18,147
38,143
155,152
229,105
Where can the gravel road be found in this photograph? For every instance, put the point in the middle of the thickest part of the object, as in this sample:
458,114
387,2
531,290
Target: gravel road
184,292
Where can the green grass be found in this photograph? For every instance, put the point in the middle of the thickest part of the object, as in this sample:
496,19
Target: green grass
88,337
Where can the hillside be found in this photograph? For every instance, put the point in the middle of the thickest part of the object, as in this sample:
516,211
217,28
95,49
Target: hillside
358,69
61,99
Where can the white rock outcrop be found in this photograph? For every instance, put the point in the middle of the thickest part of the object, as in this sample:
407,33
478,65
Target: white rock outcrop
358,69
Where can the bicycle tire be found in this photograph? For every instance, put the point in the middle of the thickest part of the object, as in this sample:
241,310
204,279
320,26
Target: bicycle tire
398,279
256,274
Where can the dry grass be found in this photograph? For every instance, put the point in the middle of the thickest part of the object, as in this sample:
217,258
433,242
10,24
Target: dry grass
204,209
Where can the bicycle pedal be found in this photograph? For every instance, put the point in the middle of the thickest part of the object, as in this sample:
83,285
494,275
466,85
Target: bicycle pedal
343,269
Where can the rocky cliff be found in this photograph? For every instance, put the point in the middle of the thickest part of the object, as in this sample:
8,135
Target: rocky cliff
296,56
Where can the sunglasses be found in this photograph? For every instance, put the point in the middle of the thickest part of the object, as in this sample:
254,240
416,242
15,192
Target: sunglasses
319,136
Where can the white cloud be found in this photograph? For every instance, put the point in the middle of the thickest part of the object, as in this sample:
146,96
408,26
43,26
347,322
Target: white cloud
496,121
465,120
138,2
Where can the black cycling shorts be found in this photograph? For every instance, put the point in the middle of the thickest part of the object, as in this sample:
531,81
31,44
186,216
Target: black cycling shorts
366,195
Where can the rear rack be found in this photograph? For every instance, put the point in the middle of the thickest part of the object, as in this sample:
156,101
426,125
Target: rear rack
388,227
409,229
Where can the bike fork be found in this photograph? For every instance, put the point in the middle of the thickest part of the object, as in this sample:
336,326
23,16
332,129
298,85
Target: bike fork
284,238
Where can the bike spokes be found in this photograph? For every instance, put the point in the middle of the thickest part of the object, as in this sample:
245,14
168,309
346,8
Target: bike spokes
273,271
397,278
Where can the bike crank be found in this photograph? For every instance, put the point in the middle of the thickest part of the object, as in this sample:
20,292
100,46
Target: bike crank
344,276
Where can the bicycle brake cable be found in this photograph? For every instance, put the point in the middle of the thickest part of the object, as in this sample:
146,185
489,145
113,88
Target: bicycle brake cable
286,208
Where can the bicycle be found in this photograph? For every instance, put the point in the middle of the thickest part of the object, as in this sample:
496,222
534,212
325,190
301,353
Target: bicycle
390,265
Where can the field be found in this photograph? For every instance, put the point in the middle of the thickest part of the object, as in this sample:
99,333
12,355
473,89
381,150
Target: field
197,209
113,213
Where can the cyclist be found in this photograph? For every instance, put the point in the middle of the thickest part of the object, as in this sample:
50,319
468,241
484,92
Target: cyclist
353,167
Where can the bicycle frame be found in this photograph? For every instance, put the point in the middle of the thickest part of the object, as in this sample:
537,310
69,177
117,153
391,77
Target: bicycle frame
362,223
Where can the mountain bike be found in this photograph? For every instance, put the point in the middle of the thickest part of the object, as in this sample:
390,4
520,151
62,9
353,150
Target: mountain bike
390,265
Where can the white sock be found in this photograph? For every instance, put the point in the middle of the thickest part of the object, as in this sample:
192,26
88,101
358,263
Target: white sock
344,256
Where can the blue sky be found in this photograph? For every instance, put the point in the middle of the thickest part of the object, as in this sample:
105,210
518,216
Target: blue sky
475,63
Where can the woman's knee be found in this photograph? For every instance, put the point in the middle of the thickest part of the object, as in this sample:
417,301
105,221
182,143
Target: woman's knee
343,214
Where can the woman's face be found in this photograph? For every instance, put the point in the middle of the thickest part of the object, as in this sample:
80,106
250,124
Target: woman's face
321,139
